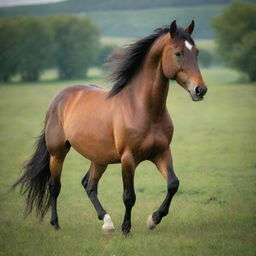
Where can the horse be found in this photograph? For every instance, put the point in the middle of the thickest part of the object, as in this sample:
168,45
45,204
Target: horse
127,124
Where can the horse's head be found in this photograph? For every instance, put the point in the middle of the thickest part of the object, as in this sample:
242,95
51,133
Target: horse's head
179,61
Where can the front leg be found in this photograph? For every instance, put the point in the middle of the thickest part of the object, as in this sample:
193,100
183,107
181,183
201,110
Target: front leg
129,197
165,166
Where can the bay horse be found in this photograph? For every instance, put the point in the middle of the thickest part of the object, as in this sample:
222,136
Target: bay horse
128,124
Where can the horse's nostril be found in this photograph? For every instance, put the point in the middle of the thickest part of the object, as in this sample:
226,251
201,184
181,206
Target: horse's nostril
197,90
200,90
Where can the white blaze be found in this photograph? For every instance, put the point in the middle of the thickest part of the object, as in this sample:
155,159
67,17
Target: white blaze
188,45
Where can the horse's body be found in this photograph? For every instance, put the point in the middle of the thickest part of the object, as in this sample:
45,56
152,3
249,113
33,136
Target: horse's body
128,124
83,116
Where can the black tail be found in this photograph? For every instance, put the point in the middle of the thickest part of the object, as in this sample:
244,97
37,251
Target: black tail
34,181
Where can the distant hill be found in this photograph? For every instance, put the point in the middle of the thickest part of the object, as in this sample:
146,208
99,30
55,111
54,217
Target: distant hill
76,6
121,18
143,22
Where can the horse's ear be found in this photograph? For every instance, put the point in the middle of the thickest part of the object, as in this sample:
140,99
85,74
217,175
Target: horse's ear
190,28
173,29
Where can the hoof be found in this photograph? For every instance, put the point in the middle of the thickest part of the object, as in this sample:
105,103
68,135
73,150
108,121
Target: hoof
56,225
126,233
126,227
108,225
150,223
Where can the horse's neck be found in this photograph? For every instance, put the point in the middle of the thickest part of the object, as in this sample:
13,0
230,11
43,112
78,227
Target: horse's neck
150,89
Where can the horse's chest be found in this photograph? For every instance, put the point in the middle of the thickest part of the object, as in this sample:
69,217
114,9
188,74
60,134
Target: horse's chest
147,143
153,144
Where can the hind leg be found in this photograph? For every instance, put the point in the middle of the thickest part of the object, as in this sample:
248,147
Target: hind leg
57,158
58,148
90,184
54,187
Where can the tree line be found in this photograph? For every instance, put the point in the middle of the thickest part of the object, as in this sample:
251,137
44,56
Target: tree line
236,37
28,45
70,43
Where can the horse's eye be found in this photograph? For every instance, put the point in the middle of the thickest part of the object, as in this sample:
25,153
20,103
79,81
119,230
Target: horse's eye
178,54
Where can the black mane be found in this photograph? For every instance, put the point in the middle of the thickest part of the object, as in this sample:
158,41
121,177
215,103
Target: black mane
129,59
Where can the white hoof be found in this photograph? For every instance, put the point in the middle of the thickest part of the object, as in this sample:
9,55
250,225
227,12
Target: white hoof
108,225
150,223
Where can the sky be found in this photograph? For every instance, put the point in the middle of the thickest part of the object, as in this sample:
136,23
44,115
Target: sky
25,2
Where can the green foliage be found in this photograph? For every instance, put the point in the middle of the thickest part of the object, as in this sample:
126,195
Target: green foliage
244,57
125,22
105,51
29,45
26,47
8,48
236,37
132,18
205,58
77,42
36,47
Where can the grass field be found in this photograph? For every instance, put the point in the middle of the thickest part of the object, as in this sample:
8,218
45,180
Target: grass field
213,213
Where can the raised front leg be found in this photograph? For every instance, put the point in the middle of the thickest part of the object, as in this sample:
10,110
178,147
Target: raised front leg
90,183
165,166
129,197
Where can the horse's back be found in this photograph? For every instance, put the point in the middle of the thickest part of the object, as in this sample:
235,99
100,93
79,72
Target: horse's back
68,95
73,89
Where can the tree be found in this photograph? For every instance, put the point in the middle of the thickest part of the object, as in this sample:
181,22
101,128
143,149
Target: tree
236,37
205,58
9,34
105,50
77,41
36,47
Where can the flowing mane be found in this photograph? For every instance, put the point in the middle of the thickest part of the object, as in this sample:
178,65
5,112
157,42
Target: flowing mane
129,59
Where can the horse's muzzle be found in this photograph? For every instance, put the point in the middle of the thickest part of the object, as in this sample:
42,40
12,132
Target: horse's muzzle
198,92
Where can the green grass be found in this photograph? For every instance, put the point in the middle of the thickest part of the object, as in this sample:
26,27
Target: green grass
214,148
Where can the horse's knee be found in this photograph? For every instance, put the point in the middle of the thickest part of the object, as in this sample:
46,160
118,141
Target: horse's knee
90,187
129,199
90,190
173,185
84,181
